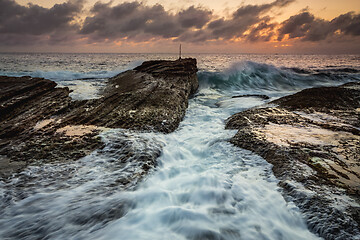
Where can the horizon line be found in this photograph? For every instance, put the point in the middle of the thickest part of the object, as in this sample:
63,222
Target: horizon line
173,53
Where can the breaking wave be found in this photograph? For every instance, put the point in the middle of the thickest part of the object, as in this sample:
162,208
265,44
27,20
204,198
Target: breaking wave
253,76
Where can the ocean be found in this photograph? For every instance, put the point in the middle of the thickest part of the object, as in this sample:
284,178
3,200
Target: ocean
202,188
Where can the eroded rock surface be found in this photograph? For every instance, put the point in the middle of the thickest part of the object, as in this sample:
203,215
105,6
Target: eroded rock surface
153,96
26,103
39,123
312,138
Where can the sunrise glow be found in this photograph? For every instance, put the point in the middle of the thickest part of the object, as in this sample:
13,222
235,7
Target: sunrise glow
203,26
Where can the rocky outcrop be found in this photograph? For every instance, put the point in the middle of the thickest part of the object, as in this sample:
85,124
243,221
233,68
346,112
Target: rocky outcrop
25,101
312,138
39,123
265,97
153,96
25,104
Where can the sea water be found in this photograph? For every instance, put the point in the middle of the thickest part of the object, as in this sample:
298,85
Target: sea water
203,187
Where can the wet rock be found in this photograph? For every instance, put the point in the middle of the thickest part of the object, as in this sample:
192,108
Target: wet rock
25,101
27,127
265,97
39,123
312,138
153,96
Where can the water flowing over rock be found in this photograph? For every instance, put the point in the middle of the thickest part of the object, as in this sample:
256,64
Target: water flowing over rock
312,138
39,123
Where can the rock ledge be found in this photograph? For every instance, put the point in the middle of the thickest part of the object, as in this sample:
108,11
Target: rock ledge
39,123
312,138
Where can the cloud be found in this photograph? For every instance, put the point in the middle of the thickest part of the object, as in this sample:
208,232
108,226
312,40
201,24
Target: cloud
136,22
133,20
194,24
307,27
348,23
36,20
194,17
262,32
243,19
21,25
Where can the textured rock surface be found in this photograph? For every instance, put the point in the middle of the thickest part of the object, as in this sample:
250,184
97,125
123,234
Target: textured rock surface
40,124
24,101
25,134
312,138
153,96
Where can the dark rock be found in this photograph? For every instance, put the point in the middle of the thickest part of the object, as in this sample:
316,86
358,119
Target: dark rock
252,95
323,99
340,70
40,124
312,138
24,103
153,96
299,70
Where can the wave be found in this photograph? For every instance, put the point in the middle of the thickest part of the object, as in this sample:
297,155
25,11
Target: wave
64,75
84,72
253,76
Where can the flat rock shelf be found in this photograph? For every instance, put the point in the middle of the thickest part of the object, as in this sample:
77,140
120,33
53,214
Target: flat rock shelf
312,138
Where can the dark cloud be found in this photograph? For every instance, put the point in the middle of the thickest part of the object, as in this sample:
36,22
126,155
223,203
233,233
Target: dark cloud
8,9
194,17
197,36
348,23
21,25
36,20
16,40
255,10
296,26
309,28
262,32
193,24
131,20
135,22
243,19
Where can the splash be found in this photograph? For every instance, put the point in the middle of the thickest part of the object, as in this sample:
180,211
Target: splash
253,77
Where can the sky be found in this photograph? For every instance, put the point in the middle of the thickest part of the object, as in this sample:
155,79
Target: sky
201,26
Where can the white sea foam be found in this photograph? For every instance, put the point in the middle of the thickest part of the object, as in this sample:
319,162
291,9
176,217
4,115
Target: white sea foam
64,75
252,77
202,188
207,189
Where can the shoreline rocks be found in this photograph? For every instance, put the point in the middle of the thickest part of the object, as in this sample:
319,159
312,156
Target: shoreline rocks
24,102
152,97
264,97
39,123
312,139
